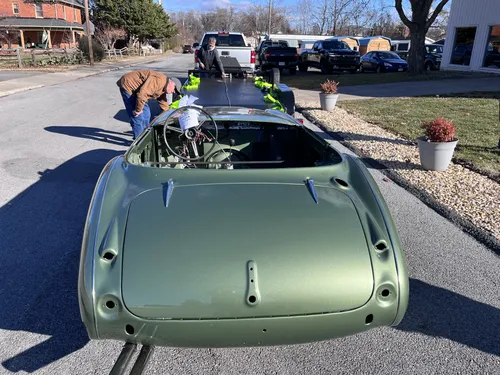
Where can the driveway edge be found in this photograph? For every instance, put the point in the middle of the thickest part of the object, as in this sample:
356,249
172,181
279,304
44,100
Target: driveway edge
468,227
103,70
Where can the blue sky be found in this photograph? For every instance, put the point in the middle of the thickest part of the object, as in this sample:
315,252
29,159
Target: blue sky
204,5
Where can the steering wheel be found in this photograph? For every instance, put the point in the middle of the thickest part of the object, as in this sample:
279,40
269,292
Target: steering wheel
191,136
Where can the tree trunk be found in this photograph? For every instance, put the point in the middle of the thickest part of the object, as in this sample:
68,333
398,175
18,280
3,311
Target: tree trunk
416,58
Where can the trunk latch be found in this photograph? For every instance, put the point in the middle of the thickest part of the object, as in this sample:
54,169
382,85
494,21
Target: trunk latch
253,294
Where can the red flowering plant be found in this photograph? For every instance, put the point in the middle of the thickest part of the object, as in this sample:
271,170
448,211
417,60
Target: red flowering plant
439,130
329,87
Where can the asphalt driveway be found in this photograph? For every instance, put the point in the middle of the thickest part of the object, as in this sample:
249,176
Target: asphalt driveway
54,142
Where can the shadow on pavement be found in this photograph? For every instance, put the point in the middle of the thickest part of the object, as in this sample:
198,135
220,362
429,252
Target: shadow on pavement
438,312
122,115
97,134
381,164
40,237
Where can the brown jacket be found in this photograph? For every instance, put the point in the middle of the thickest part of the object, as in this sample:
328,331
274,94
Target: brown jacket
145,84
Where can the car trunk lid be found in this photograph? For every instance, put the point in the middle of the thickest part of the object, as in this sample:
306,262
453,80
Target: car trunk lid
244,250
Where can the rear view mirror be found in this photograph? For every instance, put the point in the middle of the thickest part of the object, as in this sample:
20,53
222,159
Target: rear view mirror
355,48
195,45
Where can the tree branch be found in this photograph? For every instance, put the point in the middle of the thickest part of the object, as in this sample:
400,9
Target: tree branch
402,15
438,10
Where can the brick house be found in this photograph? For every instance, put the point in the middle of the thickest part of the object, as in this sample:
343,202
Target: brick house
40,24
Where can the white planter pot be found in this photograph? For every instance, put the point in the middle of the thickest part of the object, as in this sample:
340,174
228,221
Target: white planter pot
435,156
328,101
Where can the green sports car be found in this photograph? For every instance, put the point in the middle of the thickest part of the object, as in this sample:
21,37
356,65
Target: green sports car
231,226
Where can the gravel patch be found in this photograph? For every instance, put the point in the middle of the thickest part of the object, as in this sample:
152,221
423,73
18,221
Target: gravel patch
468,198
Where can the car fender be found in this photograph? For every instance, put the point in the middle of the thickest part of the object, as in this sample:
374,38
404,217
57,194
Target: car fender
90,234
397,250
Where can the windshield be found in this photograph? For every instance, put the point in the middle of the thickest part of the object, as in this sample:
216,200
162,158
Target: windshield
388,55
335,44
228,40
434,49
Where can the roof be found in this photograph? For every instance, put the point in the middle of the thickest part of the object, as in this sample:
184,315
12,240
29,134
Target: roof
49,23
364,41
343,37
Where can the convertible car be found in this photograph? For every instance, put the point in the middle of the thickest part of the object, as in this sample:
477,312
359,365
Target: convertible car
227,226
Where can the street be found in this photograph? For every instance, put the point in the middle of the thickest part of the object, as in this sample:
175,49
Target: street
55,140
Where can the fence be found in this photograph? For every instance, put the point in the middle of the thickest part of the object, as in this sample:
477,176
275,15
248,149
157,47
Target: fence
10,58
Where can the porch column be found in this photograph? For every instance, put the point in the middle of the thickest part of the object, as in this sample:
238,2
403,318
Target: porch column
73,37
21,34
50,39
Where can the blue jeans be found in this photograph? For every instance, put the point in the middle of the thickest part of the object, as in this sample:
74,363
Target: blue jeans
140,122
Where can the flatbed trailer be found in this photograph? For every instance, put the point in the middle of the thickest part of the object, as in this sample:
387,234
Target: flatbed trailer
240,92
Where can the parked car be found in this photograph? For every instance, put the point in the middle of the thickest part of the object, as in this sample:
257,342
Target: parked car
188,49
230,44
277,54
433,56
329,55
461,54
383,61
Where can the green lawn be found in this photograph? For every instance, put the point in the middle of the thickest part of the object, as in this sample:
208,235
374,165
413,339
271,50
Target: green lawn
311,79
475,115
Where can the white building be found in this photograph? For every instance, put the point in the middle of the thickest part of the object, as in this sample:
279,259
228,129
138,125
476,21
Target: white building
473,36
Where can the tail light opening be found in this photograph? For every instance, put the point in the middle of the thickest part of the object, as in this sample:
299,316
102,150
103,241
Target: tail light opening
252,58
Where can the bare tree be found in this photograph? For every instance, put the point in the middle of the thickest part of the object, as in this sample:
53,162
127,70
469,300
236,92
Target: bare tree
419,25
7,36
108,35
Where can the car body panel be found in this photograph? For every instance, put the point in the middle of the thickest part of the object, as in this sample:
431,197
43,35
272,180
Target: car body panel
336,274
167,252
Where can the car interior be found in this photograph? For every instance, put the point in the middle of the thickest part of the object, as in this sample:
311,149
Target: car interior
231,145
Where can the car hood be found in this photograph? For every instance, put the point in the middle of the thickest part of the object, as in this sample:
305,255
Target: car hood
343,51
244,250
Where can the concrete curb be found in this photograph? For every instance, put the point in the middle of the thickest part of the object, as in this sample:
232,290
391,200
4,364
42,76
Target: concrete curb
467,226
15,91
27,88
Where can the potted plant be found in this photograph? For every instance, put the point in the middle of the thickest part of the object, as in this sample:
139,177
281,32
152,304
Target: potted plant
436,147
328,95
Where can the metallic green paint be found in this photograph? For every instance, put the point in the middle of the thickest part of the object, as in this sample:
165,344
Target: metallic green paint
180,275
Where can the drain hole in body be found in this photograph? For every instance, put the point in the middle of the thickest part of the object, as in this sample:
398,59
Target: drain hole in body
385,293
381,246
369,319
341,182
252,299
264,330
129,329
110,304
108,255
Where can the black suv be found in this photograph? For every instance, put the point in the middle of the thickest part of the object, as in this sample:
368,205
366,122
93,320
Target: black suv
433,56
329,55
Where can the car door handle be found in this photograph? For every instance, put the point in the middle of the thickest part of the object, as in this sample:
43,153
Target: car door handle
225,53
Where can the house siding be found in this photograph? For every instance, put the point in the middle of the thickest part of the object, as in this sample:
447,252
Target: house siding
27,10
466,13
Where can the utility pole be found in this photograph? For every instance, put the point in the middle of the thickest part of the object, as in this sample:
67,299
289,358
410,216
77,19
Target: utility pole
89,36
269,24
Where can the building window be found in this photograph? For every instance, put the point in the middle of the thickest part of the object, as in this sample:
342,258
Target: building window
64,12
403,46
74,14
15,9
39,10
492,55
462,49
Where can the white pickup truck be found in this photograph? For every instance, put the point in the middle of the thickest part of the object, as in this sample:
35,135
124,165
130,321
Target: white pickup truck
230,44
